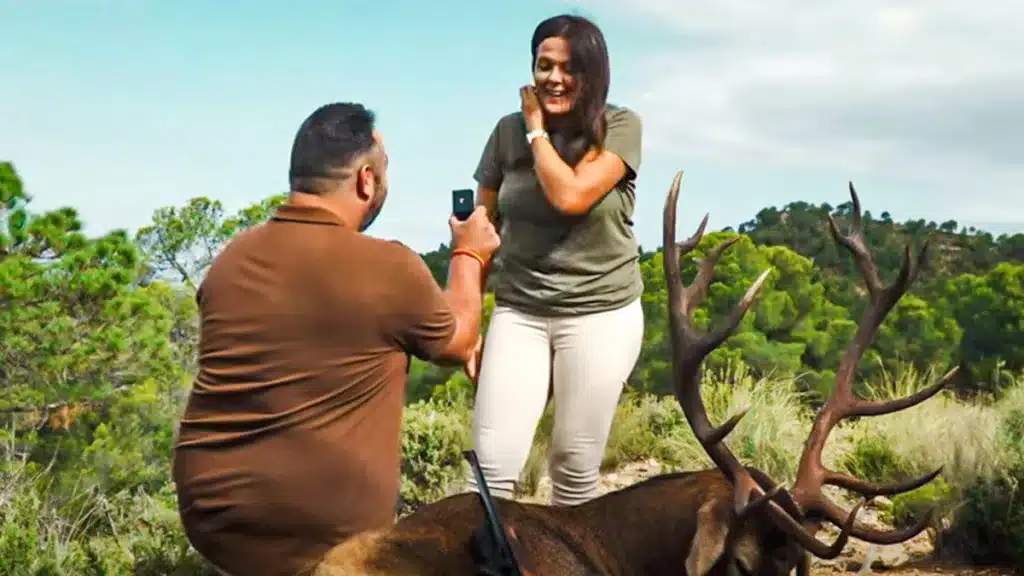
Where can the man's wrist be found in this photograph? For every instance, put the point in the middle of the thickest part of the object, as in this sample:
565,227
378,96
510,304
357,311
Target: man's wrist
473,254
471,277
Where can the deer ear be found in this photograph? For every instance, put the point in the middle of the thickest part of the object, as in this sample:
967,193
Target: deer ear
746,553
709,540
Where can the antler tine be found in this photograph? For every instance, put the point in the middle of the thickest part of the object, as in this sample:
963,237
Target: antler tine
872,408
835,514
689,348
842,403
872,489
685,299
694,293
757,502
854,242
806,538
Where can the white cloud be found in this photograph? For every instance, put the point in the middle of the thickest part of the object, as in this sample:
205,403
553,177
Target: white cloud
925,90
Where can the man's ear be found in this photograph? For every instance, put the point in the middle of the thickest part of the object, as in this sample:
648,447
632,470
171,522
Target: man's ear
366,182
709,540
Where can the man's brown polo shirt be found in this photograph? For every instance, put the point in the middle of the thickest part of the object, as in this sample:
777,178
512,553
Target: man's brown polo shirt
290,440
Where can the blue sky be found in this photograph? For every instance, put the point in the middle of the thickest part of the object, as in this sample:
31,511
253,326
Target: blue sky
119,107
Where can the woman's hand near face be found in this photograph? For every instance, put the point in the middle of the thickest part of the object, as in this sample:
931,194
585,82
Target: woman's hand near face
533,114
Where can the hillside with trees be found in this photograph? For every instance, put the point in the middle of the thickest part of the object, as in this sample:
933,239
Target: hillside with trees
98,338
964,309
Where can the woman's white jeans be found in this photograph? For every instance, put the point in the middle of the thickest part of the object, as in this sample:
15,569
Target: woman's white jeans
587,360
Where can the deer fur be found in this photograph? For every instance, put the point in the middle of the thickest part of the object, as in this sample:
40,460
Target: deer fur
659,526
727,520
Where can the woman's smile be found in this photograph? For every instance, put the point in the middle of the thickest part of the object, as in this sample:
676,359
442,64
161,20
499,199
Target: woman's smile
555,99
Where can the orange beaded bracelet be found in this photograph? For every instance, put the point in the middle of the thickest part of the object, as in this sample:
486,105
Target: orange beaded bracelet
472,254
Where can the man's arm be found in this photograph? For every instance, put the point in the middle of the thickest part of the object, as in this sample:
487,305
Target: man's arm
465,297
440,326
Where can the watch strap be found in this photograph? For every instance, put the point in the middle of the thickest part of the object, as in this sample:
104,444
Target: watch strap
534,134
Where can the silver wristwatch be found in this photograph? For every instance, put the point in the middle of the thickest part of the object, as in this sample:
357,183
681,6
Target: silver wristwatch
534,134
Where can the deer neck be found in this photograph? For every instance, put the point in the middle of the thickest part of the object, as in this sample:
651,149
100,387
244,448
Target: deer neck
646,528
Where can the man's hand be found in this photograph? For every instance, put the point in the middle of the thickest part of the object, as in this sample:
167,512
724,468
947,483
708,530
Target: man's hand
474,241
476,233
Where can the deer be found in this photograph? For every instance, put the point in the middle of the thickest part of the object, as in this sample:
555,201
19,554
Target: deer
729,519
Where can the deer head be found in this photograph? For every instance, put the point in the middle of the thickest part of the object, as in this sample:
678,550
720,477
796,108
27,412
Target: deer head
766,529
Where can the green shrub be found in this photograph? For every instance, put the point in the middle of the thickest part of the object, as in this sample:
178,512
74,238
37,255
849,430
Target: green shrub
908,507
130,533
433,437
1011,433
875,459
649,427
769,437
50,526
989,527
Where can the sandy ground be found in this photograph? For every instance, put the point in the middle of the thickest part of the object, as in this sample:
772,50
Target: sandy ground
912,558
920,569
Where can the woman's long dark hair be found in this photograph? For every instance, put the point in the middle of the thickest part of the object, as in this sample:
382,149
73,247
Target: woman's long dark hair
590,69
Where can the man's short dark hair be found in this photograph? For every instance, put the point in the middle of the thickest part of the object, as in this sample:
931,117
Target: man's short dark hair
327,143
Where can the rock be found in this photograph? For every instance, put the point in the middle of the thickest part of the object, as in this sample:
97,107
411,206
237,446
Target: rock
891,557
881,503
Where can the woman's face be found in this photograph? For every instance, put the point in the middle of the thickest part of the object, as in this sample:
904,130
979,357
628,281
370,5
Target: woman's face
557,90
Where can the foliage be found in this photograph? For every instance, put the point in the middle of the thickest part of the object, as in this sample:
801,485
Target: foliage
98,341
990,308
127,532
434,434
182,242
990,525
769,437
874,458
972,268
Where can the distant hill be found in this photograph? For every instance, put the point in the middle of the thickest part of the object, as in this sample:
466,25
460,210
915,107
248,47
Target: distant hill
955,248
999,228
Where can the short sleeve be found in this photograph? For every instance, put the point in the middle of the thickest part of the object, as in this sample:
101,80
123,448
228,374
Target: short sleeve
623,136
422,323
488,170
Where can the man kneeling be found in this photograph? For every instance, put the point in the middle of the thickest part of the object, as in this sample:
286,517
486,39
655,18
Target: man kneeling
290,440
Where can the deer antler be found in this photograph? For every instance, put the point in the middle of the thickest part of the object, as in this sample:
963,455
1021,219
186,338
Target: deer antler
843,403
689,348
787,509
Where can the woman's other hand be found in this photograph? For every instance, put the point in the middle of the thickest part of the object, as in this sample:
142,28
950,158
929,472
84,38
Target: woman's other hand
472,368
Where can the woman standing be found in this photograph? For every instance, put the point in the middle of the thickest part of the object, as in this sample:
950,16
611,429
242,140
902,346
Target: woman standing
558,177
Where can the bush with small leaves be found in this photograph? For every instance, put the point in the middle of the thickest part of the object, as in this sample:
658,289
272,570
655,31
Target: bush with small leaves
433,437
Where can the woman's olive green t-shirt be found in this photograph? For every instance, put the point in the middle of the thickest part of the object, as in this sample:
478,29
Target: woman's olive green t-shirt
553,264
